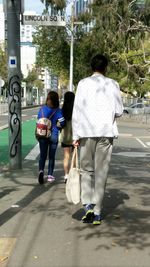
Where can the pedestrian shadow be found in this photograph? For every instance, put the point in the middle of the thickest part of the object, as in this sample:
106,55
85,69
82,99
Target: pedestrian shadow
36,192
112,200
25,178
6,191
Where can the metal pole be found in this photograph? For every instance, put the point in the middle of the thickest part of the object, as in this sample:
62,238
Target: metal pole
71,47
37,96
14,83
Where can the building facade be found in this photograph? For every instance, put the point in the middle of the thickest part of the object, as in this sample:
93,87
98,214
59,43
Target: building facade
2,25
82,6
28,49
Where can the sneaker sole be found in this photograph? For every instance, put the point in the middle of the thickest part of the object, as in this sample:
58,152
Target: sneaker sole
96,222
51,181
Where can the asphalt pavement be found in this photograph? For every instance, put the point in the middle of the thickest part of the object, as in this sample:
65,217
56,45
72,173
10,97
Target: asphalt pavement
38,228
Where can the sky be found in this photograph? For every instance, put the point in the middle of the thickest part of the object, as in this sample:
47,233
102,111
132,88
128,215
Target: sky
34,5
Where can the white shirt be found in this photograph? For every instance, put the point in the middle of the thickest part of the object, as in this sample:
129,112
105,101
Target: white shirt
97,104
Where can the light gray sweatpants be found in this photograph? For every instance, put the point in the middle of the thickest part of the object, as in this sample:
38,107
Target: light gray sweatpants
95,156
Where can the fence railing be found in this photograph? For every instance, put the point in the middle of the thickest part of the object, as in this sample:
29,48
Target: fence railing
139,118
130,100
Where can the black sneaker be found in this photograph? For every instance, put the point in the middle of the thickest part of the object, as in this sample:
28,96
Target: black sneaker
41,177
89,215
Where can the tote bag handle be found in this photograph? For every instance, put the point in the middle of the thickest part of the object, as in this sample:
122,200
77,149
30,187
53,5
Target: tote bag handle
75,161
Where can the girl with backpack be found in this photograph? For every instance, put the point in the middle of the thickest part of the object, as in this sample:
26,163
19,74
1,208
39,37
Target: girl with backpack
49,144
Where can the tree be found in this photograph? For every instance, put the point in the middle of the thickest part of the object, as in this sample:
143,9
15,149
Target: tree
120,30
58,4
121,33
3,64
32,80
54,51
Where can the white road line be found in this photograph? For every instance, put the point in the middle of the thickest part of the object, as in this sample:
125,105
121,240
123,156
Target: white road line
6,114
148,143
141,142
132,154
125,135
33,153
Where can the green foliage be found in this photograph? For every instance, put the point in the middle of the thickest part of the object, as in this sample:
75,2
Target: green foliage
32,80
58,4
54,51
3,65
120,31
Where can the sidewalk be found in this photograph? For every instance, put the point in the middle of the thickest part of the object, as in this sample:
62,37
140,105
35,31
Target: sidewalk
40,229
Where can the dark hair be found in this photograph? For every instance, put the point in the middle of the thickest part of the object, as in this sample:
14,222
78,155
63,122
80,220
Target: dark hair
54,98
68,105
99,63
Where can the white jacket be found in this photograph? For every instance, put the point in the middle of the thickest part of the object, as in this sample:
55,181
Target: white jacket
97,104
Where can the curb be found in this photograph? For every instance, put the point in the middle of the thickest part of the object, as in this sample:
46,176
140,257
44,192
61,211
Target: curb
24,108
4,127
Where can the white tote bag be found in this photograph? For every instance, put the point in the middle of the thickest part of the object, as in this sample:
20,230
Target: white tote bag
73,181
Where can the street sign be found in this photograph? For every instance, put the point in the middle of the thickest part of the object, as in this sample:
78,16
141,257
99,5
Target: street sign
44,20
12,62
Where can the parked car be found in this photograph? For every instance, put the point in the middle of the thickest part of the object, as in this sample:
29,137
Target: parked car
138,108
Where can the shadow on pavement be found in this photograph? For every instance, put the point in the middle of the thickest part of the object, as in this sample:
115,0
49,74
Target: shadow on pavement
24,202
113,198
126,204
126,211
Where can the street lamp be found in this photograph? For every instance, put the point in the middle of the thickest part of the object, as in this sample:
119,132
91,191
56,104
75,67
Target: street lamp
72,43
71,46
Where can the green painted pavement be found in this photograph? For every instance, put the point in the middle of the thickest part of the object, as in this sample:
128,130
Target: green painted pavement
28,141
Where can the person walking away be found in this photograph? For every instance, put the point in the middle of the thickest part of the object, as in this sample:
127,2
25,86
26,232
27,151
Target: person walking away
66,132
97,104
49,145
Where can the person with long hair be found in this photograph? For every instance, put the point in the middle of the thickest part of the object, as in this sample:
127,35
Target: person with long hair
49,145
66,133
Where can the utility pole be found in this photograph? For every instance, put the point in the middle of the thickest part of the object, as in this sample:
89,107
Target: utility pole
71,47
73,24
14,83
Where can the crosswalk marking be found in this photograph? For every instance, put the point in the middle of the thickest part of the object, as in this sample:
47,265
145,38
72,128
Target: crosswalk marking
132,154
142,143
125,135
33,153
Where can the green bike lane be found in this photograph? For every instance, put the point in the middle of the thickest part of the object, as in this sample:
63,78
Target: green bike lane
28,141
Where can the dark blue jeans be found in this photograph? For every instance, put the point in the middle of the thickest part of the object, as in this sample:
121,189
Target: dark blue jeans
48,146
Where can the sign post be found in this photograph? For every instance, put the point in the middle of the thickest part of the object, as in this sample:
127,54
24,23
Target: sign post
14,83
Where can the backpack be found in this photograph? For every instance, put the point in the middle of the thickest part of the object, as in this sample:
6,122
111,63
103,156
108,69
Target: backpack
44,126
